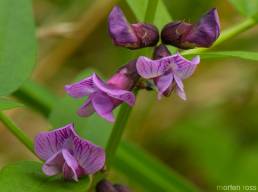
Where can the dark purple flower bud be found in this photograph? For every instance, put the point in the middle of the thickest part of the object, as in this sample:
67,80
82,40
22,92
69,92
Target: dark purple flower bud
132,36
103,96
186,36
121,188
160,52
105,186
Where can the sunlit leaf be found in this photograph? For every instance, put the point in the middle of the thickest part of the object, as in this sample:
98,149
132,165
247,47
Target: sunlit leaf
17,44
26,176
246,7
6,104
162,16
139,7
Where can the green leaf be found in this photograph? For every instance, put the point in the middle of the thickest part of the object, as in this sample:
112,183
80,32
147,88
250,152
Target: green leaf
149,172
31,93
162,16
139,8
93,128
17,44
6,104
26,176
246,7
224,54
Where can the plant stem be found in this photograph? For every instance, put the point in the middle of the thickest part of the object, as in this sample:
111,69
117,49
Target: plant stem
17,131
227,34
117,133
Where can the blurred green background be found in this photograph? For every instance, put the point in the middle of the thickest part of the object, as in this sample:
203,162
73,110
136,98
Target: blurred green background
211,139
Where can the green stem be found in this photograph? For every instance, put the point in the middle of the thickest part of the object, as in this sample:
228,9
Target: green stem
17,131
117,133
227,34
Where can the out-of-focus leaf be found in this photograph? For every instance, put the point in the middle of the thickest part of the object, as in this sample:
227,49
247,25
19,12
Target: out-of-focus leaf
246,7
162,16
207,138
26,176
139,7
150,173
30,93
6,104
93,128
224,54
17,44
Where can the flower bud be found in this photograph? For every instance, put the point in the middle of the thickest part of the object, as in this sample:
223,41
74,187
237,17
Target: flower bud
105,186
160,52
121,188
132,36
186,35
126,77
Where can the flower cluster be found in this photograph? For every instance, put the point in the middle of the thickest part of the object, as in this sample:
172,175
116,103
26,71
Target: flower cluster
63,150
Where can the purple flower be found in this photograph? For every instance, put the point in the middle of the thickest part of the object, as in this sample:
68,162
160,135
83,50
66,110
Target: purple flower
65,152
102,97
132,36
185,35
167,73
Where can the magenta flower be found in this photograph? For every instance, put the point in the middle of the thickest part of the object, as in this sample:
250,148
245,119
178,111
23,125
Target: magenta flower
168,72
186,35
65,152
102,97
132,36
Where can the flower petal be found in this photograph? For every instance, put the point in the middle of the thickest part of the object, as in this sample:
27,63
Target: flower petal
70,166
163,83
103,106
149,68
180,88
114,92
49,143
64,162
182,67
89,156
54,164
82,88
120,30
86,109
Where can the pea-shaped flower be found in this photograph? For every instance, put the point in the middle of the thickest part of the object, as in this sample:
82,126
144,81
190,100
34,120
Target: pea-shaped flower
65,152
186,35
102,97
132,36
167,72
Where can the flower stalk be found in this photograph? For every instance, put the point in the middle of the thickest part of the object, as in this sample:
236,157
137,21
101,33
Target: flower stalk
16,131
125,110
117,133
